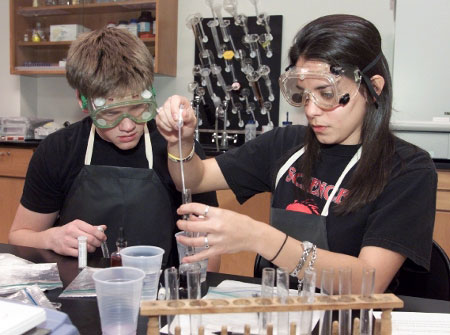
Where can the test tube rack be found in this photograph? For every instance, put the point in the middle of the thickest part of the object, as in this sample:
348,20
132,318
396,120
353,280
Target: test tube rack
386,302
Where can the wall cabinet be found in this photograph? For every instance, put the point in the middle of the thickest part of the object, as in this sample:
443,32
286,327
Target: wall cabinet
45,55
13,168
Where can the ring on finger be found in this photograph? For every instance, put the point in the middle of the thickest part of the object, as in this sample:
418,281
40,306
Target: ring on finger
205,213
206,242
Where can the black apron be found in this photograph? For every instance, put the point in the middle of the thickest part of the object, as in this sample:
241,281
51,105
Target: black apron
134,198
302,226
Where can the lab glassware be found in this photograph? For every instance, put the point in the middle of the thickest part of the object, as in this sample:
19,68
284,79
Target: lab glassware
326,288
367,285
194,292
283,294
182,252
267,286
308,291
345,288
172,293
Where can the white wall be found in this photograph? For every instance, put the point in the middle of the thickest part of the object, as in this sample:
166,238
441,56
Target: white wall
9,84
52,96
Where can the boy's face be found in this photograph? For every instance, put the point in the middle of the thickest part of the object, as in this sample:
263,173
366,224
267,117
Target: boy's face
126,134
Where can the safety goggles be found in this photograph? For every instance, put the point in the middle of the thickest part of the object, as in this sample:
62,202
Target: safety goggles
327,86
109,112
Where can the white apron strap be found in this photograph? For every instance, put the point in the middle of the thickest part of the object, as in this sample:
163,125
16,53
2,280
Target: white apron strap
288,164
148,147
350,164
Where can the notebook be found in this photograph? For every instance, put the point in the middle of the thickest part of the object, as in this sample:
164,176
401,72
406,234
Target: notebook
17,318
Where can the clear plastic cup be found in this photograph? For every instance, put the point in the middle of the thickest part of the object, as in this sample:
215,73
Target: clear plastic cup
182,252
148,259
118,292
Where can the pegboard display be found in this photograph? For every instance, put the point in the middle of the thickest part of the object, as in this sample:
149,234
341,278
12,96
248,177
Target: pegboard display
252,79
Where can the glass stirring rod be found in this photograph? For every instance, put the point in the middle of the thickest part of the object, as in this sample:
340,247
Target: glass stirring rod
104,246
185,196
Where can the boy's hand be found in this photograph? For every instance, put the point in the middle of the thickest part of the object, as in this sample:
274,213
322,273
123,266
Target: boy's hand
168,116
64,239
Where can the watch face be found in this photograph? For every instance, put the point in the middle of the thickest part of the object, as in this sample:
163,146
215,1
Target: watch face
307,245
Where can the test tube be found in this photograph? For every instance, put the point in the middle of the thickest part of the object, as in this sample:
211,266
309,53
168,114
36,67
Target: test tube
326,288
345,288
229,67
193,22
172,287
217,71
308,291
247,66
253,78
194,292
104,246
267,107
237,109
267,285
367,285
212,24
263,20
283,294
82,252
264,71
266,40
204,72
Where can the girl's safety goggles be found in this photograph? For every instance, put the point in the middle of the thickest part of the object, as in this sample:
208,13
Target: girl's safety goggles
109,112
327,86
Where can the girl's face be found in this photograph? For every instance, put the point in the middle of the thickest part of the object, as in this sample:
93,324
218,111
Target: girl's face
340,125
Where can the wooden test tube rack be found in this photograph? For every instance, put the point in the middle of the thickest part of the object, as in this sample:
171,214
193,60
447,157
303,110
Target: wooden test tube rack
385,302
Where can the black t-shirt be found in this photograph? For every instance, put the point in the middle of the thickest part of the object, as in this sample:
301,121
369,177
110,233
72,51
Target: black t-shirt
60,157
401,219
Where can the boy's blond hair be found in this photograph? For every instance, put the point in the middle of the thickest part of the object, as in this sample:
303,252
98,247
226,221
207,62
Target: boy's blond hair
109,62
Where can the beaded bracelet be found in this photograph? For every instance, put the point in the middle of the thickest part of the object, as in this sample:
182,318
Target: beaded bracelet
176,159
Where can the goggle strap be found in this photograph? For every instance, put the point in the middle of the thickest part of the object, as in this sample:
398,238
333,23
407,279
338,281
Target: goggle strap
84,102
367,79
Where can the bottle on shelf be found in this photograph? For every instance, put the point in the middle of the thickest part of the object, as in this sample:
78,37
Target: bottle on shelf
145,22
116,259
133,27
123,24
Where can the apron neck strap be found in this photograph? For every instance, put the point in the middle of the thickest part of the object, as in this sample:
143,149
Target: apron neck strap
350,164
148,147
288,164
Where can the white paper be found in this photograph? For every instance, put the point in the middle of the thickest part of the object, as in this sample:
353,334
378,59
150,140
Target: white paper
410,323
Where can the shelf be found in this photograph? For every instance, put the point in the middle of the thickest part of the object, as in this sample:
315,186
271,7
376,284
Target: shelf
24,17
103,7
150,40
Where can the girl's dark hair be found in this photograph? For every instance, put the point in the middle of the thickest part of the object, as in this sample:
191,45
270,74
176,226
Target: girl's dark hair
352,40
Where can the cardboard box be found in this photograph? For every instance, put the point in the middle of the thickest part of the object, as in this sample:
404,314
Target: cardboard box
66,32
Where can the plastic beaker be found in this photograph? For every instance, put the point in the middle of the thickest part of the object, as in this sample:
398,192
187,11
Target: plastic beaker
118,292
148,259
182,252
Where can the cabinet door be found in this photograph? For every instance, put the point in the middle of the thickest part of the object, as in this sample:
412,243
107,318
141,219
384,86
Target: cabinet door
11,191
442,230
257,208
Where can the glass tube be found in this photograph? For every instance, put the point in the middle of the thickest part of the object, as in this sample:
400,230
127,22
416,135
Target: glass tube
345,288
367,285
212,24
308,290
283,294
171,285
326,287
194,292
267,285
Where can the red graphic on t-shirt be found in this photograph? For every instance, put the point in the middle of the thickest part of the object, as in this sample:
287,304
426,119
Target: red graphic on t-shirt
308,207
318,188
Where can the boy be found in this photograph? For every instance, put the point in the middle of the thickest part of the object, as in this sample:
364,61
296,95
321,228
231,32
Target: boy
107,170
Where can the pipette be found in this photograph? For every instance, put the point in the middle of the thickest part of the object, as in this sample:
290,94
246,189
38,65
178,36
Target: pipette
186,195
105,250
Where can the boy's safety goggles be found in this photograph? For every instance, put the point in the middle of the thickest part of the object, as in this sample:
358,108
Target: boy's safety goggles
109,112
327,86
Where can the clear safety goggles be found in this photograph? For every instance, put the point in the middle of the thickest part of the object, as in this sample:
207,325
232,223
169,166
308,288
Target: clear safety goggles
327,86
109,112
